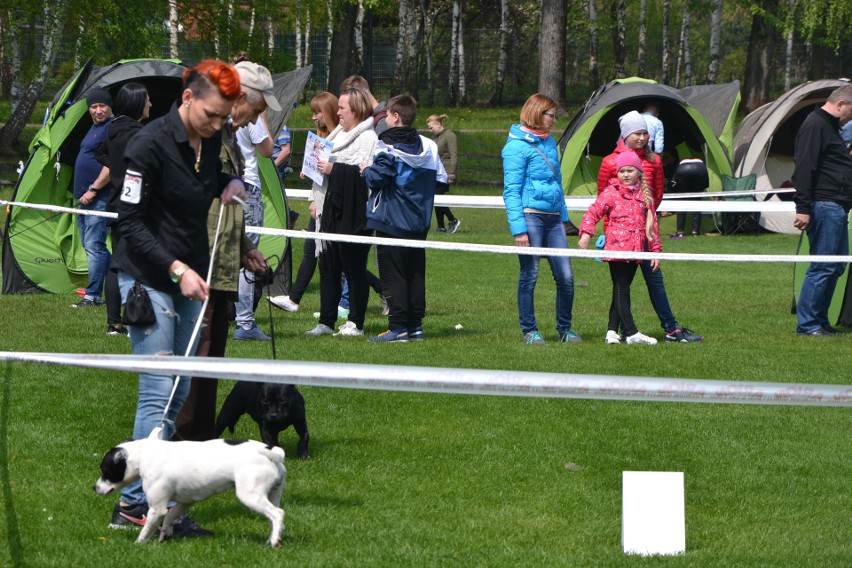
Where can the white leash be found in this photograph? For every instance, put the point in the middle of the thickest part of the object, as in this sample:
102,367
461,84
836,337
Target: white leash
157,432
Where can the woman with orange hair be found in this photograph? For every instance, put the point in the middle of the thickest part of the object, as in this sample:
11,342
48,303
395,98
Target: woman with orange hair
173,175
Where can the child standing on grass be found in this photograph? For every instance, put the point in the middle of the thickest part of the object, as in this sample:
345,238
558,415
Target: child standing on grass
632,226
402,180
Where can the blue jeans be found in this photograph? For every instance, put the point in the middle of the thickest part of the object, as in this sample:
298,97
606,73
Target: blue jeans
93,235
545,231
828,234
254,218
176,317
659,298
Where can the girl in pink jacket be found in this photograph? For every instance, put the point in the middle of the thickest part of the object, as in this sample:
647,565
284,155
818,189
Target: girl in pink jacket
628,203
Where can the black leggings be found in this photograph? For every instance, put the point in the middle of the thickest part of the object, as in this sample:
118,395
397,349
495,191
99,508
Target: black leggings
338,259
112,297
441,212
622,274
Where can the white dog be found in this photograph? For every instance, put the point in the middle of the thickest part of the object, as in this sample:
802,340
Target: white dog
189,472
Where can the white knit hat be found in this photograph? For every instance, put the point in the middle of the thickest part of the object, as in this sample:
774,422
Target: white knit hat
631,122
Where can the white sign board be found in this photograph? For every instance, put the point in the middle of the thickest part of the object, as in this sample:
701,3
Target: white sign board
653,513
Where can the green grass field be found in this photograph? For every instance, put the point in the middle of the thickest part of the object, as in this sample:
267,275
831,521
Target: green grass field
401,479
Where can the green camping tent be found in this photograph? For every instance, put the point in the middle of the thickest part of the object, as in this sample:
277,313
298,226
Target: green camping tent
41,251
699,123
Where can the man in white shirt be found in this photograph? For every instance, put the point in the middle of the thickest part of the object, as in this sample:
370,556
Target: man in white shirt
655,127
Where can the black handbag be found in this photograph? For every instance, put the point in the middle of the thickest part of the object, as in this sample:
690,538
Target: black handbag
138,309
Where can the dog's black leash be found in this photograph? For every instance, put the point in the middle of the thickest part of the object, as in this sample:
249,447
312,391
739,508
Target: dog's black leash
265,280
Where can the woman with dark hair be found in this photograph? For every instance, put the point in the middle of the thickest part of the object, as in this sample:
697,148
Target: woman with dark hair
132,107
324,115
173,175
341,205
535,206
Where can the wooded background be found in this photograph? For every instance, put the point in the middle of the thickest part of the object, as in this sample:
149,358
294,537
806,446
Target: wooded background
453,52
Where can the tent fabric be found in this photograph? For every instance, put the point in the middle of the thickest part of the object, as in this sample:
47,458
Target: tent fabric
41,249
763,143
695,120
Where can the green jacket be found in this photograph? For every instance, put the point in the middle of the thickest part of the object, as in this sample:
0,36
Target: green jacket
233,244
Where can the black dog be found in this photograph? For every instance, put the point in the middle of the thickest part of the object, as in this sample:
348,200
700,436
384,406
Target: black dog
273,406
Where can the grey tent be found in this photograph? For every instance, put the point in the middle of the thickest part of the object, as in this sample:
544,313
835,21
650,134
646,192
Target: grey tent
763,143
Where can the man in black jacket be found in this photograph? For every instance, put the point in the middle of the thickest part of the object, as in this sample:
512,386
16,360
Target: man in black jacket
823,182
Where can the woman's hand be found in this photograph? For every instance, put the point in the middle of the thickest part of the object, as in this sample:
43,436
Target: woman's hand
655,264
583,243
522,240
234,188
193,286
324,167
254,261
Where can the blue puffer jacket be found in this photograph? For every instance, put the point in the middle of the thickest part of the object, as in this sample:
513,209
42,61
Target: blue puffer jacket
528,182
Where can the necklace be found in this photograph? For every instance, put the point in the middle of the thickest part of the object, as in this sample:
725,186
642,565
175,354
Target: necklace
197,157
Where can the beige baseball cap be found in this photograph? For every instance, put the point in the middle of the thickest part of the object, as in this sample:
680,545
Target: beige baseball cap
258,77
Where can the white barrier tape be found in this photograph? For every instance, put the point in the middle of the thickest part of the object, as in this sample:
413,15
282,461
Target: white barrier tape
60,209
460,381
538,251
675,203
500,249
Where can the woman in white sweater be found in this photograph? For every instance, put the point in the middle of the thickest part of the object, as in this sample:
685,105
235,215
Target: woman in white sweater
341,204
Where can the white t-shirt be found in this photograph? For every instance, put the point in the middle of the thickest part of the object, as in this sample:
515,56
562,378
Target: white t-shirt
247,137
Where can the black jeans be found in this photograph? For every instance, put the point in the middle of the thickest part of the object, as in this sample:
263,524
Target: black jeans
351,260
441,212
620,315
403,274
307,266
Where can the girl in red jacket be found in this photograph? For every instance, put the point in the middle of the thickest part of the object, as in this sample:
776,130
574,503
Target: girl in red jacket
628,204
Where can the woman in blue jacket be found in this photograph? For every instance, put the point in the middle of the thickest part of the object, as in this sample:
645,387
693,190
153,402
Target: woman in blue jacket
535,206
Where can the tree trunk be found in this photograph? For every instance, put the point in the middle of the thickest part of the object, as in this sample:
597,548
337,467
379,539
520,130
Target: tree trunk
359,34
308,53
454,54
342,49
270,37
405,65
174,26
759,60
641,54
497,96
428,32
329,46
594,79
666,62
462,77
788,53
619,33
25,94
299,60
715,42
684,57
551,65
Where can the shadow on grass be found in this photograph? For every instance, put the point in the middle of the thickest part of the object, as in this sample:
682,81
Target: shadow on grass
13,534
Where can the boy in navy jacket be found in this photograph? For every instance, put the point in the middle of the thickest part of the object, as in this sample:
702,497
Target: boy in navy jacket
402,179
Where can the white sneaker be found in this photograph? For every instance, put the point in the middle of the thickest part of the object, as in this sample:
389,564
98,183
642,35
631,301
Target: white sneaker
284,302
320,329
640,339
349,329
612,337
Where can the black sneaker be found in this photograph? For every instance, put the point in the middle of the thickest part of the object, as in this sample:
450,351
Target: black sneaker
683,335
116,330
130,517
185,527
87,303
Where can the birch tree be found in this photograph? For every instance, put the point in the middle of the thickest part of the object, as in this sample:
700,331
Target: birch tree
405,55
788,52
715,41
462,76
27,87
497,96
359,34
174,28
641,54
594,78
665,66
298,13
684,60
452,87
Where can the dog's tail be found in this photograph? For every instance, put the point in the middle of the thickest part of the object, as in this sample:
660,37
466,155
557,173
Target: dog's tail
273,453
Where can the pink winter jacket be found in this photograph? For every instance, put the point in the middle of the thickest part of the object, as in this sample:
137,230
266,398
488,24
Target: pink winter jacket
653,172
626,211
